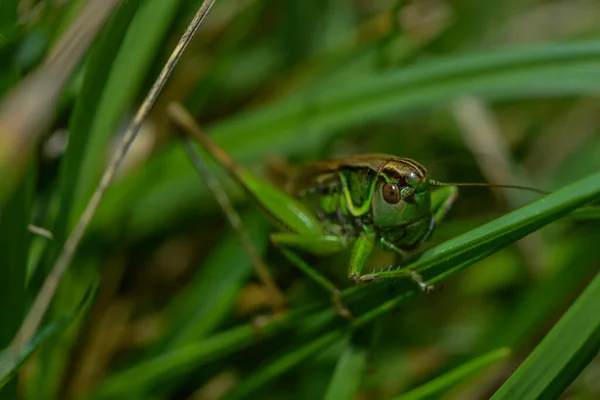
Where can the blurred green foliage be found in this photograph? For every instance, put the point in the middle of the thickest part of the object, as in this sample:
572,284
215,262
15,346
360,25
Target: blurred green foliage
178,313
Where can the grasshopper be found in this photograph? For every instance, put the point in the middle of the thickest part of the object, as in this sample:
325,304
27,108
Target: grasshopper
351,203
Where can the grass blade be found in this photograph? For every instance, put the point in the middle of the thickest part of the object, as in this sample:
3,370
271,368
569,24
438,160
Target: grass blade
283,364
199,352
139,47
13,357
439,385
14,247
348,374
571,344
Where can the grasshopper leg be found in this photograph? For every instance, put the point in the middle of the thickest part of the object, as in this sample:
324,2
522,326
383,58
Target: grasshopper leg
361,251
320,245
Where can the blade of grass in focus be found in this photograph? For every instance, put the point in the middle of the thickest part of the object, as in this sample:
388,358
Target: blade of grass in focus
563,353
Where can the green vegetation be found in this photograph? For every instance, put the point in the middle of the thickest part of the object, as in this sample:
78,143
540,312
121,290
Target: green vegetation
160,300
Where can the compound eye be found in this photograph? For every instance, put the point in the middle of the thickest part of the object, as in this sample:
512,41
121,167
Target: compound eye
391,193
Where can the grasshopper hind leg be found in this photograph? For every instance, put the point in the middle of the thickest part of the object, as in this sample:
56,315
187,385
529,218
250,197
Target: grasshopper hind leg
320,245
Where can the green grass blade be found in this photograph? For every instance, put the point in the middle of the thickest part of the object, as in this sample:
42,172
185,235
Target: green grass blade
512,73
439,385
151,372
12,358
516,328
140,46
283,364
291,359
14,248
585,213
8,14
87,103
348,373
571,344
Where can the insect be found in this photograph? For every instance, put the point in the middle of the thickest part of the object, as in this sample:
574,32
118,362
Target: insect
353,203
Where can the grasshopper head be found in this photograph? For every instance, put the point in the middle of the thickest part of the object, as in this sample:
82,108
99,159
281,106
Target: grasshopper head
402,196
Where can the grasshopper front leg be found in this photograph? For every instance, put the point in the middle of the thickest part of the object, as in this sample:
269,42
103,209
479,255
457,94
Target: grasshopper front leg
442,200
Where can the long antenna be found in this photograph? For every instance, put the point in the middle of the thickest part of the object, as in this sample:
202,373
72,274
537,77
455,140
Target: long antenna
438,183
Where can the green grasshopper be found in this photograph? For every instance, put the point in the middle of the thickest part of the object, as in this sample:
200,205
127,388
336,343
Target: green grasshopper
349,203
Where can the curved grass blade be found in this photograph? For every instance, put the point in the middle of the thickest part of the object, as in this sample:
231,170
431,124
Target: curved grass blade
291,359
439,385
13,357
145,375
348,373
283,364
565,351
14,247
86,107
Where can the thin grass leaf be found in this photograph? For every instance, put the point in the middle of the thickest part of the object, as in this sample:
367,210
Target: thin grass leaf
348,373
282,365
151,372
140,46
563,353
97,70
516,328
14,248
436,387
12,358
586,213
299,354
